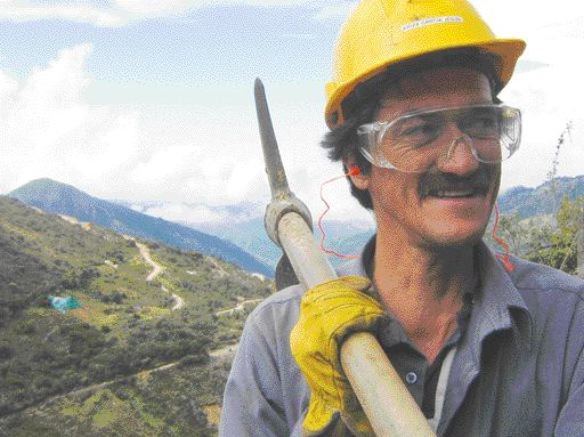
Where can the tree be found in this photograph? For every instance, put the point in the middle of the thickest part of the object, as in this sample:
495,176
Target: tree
514,232
559,249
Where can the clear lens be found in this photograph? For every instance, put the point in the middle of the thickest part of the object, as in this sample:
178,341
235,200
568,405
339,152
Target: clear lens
407,143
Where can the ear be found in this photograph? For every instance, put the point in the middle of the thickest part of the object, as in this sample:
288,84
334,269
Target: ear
361,181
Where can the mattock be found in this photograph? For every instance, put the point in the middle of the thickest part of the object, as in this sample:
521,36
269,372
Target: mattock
391,409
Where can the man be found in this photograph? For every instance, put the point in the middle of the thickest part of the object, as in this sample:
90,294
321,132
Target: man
485,347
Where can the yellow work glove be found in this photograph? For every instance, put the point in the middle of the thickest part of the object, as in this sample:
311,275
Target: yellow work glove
329,313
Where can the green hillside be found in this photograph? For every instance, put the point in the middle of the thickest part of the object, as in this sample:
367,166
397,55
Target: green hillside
58,198
148,341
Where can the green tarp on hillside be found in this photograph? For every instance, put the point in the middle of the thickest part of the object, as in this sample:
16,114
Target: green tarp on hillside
64,304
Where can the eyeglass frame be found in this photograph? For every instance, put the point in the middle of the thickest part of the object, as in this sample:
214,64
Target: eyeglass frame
376,130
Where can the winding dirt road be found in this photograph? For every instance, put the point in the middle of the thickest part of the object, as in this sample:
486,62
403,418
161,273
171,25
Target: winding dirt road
239,307
157,269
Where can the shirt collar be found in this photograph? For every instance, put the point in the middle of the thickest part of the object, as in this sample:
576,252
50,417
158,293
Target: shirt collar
499,303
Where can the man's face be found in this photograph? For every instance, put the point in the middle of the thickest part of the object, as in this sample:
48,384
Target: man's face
450,203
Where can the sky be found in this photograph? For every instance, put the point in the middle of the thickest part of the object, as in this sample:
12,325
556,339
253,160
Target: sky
152,101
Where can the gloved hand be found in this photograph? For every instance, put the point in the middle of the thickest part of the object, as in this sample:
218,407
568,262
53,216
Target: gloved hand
329,313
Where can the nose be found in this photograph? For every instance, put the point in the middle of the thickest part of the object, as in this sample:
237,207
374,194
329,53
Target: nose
458,157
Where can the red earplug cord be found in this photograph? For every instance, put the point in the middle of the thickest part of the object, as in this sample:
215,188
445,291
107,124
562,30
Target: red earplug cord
504,258
353,171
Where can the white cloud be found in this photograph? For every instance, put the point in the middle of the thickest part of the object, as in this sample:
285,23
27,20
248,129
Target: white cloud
12,10
201,215
522,19
49,130
189,214
549,97
209,157
141,8
116,13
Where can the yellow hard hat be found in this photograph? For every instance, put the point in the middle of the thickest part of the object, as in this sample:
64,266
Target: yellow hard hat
381,33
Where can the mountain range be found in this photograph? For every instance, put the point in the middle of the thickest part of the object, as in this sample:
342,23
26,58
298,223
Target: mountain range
542,200
58,198
236,239
347,238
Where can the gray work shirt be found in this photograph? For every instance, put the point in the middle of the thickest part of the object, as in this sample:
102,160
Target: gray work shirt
518,369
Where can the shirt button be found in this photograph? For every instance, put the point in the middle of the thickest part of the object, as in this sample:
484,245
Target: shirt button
411,378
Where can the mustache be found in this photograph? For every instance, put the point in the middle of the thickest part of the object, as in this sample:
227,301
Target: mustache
479,182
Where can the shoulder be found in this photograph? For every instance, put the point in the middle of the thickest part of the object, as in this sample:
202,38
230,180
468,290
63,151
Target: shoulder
275,317
286,300
537,280
265,392
555,301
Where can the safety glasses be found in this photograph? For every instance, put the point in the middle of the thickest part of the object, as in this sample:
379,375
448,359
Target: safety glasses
409,142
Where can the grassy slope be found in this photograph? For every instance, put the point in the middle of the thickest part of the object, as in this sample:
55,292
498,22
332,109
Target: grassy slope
125,326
